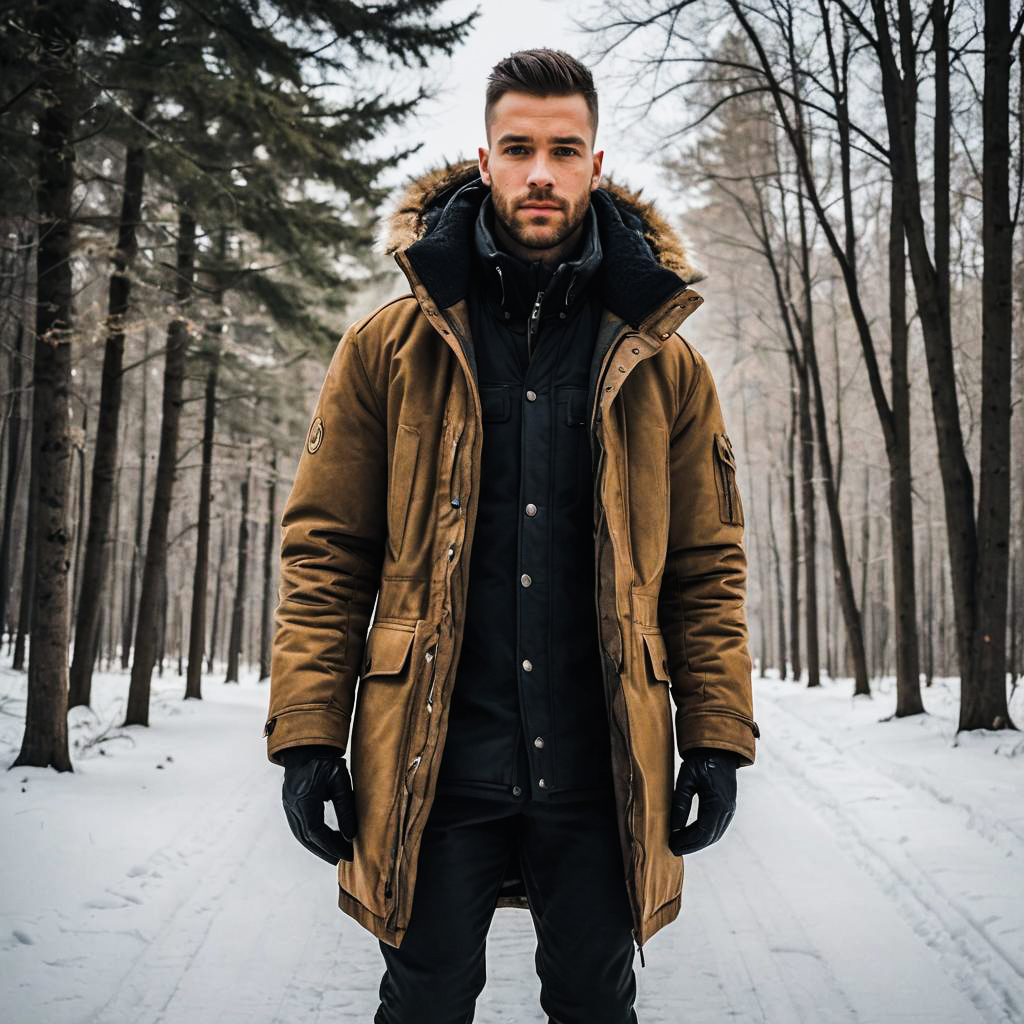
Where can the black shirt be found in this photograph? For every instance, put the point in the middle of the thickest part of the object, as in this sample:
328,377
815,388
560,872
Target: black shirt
527,716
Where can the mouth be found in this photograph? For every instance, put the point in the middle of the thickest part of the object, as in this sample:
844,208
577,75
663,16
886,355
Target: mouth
539,206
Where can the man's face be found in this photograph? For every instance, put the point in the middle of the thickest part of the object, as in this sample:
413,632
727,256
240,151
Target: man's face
541,167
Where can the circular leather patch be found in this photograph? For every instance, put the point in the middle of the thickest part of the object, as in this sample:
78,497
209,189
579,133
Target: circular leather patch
316,435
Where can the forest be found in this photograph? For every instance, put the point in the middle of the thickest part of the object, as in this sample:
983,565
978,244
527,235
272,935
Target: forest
189,201
855,174
192,201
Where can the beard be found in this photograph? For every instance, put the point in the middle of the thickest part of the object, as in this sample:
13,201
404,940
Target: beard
547,235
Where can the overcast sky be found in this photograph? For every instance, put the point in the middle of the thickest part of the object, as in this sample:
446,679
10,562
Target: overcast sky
451,126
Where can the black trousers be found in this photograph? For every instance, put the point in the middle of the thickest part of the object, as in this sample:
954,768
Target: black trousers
575,882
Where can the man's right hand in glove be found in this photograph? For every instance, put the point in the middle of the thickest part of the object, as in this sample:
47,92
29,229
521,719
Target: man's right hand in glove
312,776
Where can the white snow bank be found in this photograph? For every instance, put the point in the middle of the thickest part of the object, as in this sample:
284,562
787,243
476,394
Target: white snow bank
873,873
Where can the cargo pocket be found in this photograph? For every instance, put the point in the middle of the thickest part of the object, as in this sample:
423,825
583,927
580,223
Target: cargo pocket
387,650
377,748
730,508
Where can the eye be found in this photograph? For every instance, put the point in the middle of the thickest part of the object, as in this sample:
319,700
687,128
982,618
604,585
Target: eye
509,149
567,151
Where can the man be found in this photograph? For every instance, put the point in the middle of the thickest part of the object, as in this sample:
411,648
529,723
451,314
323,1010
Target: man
528,470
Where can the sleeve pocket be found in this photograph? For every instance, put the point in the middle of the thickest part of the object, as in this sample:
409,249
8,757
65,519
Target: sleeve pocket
730,508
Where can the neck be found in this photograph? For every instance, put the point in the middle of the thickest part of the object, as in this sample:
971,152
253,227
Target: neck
551,257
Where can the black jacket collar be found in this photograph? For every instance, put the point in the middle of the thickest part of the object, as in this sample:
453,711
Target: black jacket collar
512,286
631,282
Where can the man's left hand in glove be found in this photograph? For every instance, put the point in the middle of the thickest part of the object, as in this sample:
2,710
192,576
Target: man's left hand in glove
710,775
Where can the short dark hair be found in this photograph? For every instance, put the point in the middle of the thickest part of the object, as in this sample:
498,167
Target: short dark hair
540,72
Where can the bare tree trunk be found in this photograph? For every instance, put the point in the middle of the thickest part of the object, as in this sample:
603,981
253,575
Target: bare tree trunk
883,620
26,596
928,577
217,592
865,556
269,550
179,639
780,597
156,542
901,520
983,705
140,510
45,741
197,627
113,581
794,537
78,485
161,629
238,612
843,573
943,621
810,530
21,415
107,451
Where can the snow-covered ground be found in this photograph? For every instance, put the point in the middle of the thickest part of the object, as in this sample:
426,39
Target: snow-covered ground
874,873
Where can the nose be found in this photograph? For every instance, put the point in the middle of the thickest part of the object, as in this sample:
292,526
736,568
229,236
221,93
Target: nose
540,175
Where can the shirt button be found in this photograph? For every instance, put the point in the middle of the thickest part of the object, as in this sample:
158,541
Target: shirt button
527,665
531,396
517,790
539,741
542,784
525,579
531,509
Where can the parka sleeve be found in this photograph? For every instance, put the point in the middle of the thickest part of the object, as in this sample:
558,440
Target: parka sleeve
701,604
334,527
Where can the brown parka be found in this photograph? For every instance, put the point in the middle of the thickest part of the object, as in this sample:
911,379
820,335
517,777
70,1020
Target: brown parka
383,509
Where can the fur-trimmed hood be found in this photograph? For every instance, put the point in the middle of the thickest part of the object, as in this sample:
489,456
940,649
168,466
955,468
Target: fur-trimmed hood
430,223
425,194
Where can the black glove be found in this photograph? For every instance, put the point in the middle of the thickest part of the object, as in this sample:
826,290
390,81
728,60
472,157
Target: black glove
710,775
312,776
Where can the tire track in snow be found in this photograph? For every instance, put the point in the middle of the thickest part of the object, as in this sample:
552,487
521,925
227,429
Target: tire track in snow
910,777
987,970
151,979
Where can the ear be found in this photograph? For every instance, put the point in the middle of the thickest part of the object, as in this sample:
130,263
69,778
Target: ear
595,179
482,156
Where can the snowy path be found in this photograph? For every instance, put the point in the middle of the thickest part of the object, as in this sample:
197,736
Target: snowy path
160,883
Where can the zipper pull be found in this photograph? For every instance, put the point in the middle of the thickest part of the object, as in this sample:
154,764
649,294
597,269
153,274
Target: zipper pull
531,332
639,947
501,280
431,657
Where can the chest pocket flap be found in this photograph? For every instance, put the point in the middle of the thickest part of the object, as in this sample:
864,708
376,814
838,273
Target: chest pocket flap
387,651
573,403
730,507
495,402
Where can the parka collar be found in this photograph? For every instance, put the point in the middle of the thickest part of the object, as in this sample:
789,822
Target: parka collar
512,285
643,276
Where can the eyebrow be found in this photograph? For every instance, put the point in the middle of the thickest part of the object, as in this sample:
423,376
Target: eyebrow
558,140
